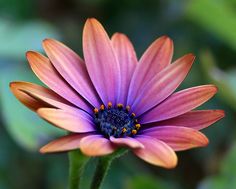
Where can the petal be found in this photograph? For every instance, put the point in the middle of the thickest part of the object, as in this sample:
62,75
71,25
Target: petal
127,59
96,145
178,138
45,71
198,119
72,69
163,84
101,62
156,152
155,58
65,143
34,96
128,142
75,120
180,103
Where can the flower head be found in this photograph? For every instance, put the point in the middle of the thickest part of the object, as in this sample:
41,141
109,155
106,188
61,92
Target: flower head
111,99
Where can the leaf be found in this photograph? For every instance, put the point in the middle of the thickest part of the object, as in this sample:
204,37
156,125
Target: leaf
217,17
147,181
225,179
225,81
25,127
17,38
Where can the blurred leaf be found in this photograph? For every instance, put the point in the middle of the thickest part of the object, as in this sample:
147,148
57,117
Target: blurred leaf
21,9
217,182
228,167
218,17
226,177
24,126
147,181
224,80
16,39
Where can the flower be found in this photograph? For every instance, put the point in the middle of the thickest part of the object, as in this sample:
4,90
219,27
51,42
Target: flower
110,99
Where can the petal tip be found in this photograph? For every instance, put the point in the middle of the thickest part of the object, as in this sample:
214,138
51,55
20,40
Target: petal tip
173,164
12,84
92,21
221,113
47,42
43,150
213,88
118,34
31,55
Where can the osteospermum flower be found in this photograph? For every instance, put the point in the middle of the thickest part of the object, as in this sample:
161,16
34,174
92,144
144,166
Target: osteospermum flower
111,99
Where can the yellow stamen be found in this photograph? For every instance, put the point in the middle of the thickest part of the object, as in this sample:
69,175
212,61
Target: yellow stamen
127,108
120,106
102,107
133,115
109,105
134,132
124,130
137,126
95,110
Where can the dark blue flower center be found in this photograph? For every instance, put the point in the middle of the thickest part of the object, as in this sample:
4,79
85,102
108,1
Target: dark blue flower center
116,121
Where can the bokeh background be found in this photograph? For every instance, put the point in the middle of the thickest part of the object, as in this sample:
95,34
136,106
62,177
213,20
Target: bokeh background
206,28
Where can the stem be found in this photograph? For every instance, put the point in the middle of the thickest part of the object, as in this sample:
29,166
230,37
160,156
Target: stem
103,166
77,162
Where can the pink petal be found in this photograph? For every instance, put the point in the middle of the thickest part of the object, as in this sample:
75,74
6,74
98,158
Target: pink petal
127,142
96,145
178,138
45,71
198,119
34,96
66,143
127,59
163,84
72,69
155,58
156,152
74,120
101,62
180,103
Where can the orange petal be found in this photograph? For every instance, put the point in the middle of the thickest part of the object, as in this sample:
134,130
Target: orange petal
74,120
178,138
156,152
72,69
45,71
198,119
127,142
65,143
96,145
127,59
155,58
163,84
180,103
101,62
34,96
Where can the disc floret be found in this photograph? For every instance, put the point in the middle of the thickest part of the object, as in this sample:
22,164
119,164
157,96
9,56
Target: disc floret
116,121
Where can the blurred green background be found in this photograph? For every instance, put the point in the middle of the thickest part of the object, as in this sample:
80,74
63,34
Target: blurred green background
206,28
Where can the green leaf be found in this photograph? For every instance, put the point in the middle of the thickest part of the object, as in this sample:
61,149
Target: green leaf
225,81
147,181
25,127
17,38
225,179
217,17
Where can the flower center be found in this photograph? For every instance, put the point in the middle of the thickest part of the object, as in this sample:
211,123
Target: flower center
116,121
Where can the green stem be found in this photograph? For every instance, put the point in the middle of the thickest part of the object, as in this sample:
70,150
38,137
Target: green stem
77,162
103,166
